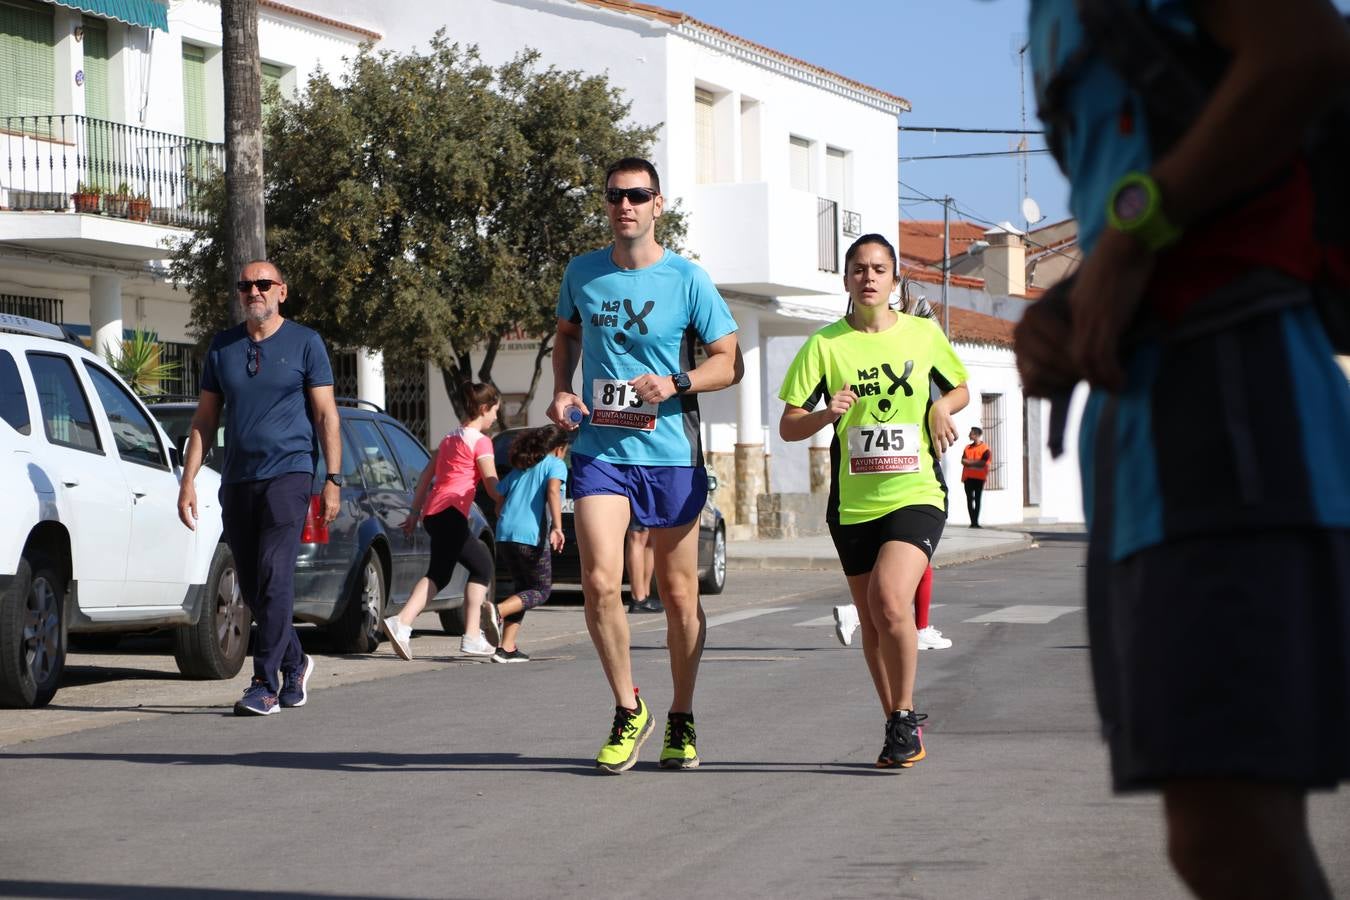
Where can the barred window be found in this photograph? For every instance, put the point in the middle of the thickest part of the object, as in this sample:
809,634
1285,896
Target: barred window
991,420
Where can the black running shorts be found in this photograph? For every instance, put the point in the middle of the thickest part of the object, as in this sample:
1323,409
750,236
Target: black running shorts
1225,657
859,545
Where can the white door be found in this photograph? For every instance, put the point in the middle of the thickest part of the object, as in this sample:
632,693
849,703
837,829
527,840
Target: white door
161,549
93,499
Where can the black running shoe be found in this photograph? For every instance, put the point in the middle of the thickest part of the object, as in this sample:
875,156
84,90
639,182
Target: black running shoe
904,741
648,604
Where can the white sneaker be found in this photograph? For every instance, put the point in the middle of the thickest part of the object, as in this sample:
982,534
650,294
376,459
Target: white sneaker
475,646
400,636
845,623
492,624
931,639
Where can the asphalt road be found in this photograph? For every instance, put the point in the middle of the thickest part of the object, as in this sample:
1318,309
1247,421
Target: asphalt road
444,778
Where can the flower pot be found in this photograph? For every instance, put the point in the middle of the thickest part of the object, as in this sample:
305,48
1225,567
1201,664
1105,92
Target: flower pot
85,203
118,205
20,199
139,210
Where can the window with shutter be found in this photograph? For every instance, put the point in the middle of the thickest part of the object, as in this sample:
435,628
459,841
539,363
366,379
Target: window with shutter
705,160
271,77
799,163
96,69
194,91
27,59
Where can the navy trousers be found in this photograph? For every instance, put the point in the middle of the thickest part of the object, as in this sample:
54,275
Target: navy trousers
263,521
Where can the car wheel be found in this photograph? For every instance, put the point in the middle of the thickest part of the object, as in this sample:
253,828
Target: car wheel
215,647
357,630
32,637
715,578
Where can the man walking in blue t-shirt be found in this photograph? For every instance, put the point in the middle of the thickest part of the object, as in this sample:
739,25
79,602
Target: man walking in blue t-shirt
632,314
275,379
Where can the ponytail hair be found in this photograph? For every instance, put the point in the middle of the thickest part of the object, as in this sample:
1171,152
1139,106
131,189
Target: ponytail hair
532,446
477,397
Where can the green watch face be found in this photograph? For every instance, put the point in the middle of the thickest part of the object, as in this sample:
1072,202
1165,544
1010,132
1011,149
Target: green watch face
1131,202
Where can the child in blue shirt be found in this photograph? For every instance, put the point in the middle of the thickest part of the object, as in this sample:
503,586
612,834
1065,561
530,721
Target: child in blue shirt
535,482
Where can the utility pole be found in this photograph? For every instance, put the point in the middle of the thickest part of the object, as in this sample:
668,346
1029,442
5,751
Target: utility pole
946,263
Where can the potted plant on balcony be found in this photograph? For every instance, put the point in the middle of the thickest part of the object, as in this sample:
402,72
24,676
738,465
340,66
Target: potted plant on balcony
139,209
118,203
86,197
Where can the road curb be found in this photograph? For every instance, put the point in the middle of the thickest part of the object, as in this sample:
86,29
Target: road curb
1015,543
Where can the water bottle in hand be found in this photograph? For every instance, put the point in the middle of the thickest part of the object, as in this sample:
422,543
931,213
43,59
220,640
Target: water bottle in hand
573,414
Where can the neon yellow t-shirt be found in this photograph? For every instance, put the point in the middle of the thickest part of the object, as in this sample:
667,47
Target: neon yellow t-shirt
881,458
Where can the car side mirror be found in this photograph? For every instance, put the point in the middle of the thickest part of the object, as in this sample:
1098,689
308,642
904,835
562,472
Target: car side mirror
712,482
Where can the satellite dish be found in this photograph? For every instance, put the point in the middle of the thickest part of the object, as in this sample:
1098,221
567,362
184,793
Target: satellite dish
1031,211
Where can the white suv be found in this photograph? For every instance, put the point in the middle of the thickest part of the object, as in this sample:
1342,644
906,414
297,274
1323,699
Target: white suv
90,541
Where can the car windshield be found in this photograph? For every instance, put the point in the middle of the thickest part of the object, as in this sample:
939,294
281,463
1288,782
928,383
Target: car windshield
177,424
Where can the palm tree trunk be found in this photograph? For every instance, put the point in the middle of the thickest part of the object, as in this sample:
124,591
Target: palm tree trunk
245,237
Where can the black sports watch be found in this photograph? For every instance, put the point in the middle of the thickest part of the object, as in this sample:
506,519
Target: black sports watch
682,382
335,478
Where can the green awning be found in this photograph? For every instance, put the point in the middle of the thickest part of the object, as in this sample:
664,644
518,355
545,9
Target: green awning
145,13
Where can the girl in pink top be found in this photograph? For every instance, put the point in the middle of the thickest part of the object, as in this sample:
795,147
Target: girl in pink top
463,458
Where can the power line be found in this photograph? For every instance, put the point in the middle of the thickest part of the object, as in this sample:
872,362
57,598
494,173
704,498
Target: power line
970,215
990,154
949,130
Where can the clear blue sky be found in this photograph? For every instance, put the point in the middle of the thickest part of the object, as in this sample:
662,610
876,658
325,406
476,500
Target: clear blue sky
955,61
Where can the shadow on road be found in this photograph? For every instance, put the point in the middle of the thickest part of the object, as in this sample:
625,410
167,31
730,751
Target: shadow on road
75,891
432,762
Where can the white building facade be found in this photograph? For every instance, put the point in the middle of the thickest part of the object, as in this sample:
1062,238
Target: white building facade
778,164
120,103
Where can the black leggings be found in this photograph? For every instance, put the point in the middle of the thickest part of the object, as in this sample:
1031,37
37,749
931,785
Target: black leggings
450,544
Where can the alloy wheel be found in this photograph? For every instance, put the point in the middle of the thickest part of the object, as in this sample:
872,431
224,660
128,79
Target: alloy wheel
232,616
42,630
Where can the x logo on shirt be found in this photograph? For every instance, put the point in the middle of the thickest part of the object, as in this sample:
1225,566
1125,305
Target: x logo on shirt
635,318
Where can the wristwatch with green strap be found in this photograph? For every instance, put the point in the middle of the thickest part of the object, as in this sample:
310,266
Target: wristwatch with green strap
1135,208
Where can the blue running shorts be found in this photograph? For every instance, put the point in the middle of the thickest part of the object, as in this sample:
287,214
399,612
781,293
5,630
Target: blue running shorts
660,496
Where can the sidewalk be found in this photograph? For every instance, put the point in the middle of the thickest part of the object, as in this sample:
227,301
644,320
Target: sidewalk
959,544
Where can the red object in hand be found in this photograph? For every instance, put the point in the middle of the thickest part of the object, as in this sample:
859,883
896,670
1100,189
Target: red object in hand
316,529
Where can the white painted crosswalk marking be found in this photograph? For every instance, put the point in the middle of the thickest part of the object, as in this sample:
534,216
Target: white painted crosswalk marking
1028,614
822,622
742,615
828,621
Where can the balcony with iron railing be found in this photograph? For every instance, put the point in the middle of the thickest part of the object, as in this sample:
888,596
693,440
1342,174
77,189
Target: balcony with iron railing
76,164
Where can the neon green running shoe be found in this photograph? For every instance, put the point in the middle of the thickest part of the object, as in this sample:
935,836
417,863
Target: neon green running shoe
679,751
629,731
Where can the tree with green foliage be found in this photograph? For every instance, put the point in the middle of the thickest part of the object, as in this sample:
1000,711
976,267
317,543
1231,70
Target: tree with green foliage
425,205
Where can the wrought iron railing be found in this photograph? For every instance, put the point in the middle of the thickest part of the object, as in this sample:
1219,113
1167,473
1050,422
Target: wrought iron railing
827,234
852,223
44,309
75,163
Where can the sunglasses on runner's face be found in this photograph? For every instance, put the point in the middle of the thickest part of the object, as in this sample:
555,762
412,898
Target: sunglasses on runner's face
636,196
254,353
262,284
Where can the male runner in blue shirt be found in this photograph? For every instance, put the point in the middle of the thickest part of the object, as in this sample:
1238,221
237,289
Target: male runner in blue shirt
632,313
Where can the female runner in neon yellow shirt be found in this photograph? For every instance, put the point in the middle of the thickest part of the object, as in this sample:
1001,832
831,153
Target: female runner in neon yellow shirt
888,500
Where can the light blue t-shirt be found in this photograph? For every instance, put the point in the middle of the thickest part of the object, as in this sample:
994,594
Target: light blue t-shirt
633,322
526,491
